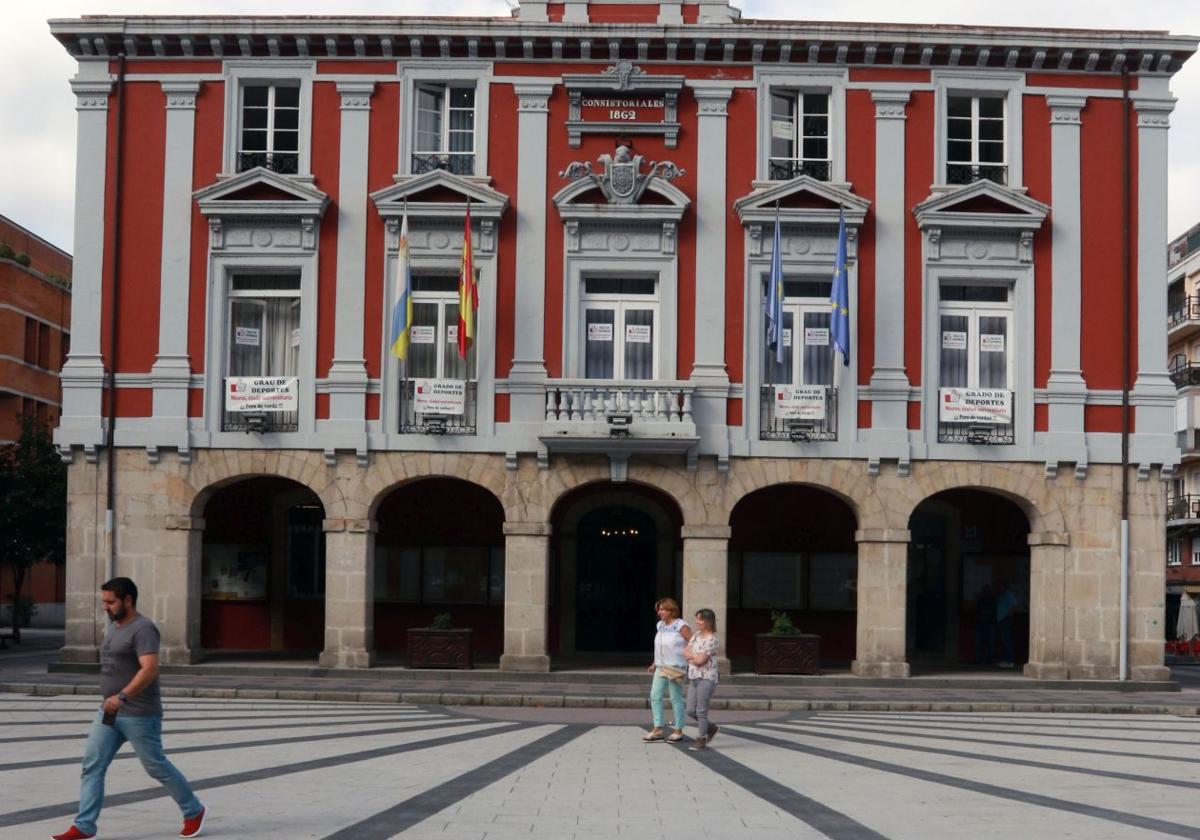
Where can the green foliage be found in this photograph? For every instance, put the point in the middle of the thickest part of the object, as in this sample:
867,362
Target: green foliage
33,503
25,608
6,251
781,625
441,621
23,259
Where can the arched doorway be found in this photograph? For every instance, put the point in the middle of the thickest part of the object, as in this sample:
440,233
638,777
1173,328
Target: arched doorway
967,556
263,568
792,549
616,550
439,548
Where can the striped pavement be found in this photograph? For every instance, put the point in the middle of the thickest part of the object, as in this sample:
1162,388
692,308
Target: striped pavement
361,771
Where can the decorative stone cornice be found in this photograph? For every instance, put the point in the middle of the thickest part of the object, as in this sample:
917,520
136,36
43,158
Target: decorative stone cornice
534,97
181,96
1064,110
1154,113
356,96
889,104
713,101
91,95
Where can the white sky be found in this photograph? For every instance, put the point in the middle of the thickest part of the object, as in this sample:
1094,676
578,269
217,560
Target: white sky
37,116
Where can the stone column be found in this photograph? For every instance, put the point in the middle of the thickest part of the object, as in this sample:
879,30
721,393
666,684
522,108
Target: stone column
349,593
83,374
528,375
1047,605
526,596
348,372
1147,581
889,382
177,589
85,561
882,603
171,372
706,577
709,373
1066,388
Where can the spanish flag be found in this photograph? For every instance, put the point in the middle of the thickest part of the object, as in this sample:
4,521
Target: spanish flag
402,312
468,291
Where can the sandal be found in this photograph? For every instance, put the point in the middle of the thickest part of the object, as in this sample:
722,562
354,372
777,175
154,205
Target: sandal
653,735
675,737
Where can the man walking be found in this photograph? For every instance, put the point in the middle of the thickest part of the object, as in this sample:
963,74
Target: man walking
132,712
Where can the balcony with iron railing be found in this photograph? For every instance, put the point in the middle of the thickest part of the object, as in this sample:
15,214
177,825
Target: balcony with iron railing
438,420
980,430
815,421
785,169
584,415
1183,509
283,163
456,163
969,173
1183,318
1185,375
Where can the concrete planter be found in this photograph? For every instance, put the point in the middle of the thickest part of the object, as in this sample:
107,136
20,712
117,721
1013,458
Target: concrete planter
800,654
429,648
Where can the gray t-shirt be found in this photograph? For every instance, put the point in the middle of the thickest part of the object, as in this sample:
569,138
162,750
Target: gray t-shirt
119,654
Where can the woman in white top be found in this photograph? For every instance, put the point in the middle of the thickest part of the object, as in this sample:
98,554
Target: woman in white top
701,655
668,668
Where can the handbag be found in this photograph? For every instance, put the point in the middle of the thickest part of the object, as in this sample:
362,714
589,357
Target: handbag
673,674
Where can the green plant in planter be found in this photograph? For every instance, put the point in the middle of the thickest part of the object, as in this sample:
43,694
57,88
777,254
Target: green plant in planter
6,251
781,624
441,621
23,259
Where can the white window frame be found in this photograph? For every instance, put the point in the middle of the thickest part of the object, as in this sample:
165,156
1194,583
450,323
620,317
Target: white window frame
797,126
975,119
445,90
619,304
829,81
1011,85
797,307
232,295
272,109
240,74
449,74
441,339
1195,558
1174,551
974,310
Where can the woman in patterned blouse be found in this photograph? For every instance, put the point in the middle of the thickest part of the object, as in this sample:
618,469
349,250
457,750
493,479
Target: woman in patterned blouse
701,655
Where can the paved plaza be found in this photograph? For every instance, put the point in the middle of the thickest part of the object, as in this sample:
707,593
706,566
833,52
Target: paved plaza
359,771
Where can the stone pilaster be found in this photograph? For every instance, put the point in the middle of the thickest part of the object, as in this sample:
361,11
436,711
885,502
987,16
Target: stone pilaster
85,561
177,588
882,603
1047,581
526,596
349,594
705,577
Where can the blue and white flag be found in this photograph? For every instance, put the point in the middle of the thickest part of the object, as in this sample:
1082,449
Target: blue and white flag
839,298
773,303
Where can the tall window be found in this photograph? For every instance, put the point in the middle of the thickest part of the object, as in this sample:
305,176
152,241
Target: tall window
620,318
433,345
1174,552
976,331
270,128
264,325
807,345
445,129
799,135
975,139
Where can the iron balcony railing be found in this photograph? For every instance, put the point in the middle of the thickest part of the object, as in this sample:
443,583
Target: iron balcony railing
261,422
412,423
456,163
284,163
785,169
771,426
1185,375
969,173
980,433
1183,310
1184,506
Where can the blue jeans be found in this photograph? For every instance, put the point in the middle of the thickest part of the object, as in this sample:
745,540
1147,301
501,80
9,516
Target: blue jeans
145,734
659,685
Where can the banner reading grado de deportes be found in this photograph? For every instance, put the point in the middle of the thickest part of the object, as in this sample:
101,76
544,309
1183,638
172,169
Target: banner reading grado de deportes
975,405
262,393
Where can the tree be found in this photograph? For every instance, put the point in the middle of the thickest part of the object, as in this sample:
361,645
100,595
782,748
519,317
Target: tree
33,506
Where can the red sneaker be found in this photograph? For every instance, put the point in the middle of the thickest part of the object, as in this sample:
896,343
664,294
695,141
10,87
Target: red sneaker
72,833
193,825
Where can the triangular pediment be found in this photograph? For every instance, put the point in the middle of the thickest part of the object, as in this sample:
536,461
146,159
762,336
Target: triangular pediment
439,194
981,204
802,200
587,192
261,191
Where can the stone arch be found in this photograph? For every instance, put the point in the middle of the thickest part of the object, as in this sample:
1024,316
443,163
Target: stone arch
533,495
846,480
1024,485
393,470
215,470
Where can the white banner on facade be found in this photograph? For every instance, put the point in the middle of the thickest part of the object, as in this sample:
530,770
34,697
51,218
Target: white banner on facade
439,396
816,336
262,393
975,405
799,402
423,335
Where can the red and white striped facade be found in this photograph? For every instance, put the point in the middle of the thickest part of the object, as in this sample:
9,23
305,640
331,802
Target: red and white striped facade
999,187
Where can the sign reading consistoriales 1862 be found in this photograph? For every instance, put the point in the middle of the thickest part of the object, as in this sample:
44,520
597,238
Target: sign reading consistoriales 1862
623,100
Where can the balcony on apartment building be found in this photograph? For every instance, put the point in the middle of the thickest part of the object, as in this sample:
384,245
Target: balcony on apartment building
1183,318
1183,509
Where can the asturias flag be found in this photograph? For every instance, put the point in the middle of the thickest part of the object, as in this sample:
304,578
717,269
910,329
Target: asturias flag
468,291
839,297
402,312
773,305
